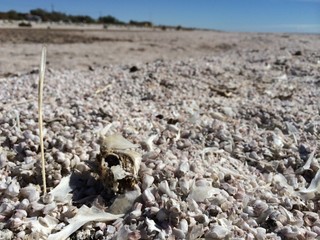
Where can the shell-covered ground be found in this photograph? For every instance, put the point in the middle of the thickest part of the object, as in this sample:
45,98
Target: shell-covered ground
229,147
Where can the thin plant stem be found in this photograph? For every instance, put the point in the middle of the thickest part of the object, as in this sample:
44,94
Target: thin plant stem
40,94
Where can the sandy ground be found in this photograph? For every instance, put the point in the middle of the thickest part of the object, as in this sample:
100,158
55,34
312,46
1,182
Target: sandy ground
228,139
83,49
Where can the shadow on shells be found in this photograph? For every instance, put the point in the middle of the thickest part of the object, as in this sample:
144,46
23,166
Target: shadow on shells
113,177
86,189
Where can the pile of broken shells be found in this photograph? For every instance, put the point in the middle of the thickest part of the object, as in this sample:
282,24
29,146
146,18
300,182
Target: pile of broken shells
228,148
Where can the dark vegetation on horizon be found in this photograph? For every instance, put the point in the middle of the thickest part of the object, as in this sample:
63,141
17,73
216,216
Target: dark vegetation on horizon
54,16
41,15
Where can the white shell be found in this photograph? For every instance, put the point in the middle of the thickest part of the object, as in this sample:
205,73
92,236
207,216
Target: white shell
184,167
152,225
147,196
311,161
84,215
13,188
20,213
36,206
193,205
49,208
16,222
48,198
137,211
259,207
196,231
147,181
31,192
313,188
62,190
201,193
217,232
148,143
164,187
184,185
117,142
21,235
24,204
3,160
179,234
183,225
118,172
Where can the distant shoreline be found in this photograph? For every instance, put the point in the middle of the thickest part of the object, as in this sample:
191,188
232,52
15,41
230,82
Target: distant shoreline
14,24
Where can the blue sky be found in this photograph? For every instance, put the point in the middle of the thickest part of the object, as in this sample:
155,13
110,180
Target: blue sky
228,15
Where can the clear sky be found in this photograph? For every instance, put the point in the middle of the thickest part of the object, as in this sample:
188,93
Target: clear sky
228,15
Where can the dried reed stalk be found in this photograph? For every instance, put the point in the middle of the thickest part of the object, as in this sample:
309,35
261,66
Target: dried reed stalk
40,93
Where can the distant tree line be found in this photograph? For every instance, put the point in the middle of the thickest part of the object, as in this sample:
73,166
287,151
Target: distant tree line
41,15
140,24
54,16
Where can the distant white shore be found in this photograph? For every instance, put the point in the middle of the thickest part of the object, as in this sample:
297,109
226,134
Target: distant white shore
80,26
